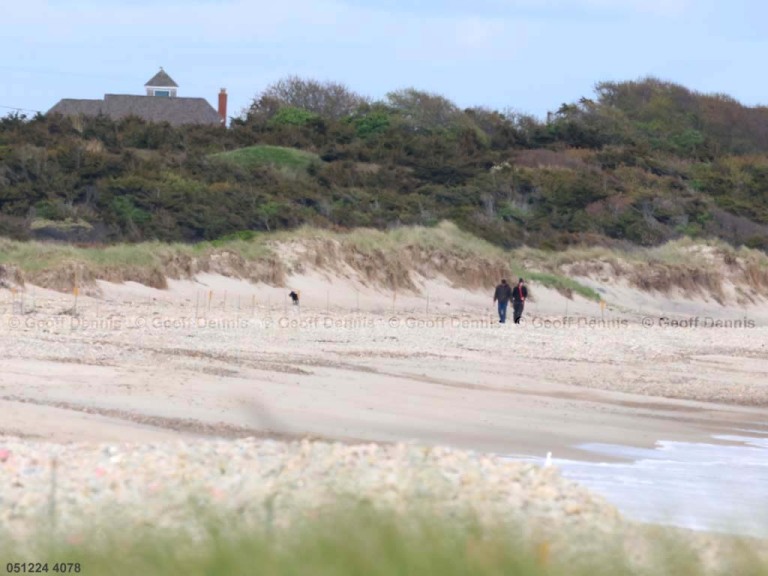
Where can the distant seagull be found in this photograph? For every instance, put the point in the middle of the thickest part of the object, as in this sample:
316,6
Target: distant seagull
548,461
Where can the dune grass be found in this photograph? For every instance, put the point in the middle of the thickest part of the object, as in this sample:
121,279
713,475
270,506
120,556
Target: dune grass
685,264
684,251
36,258
264,155
33,257
560,283
446,236
447,239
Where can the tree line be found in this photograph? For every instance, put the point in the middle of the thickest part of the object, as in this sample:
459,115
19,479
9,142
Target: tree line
638,163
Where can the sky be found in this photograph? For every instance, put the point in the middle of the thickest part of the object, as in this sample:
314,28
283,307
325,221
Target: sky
524,55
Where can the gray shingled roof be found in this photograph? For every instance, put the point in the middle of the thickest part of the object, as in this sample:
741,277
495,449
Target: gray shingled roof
175,111
159,109
74,107
162,80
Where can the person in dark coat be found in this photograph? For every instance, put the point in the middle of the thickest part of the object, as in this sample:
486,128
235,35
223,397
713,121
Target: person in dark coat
519,294
501,296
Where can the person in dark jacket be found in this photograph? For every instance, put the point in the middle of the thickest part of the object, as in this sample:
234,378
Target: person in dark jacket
519,294
501,296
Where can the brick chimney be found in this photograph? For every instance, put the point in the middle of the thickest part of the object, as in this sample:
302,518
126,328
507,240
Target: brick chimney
223,106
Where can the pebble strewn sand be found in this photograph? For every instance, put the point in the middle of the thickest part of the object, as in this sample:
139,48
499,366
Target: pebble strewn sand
273,482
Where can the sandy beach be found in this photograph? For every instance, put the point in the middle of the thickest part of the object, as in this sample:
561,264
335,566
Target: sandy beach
130,398
222,358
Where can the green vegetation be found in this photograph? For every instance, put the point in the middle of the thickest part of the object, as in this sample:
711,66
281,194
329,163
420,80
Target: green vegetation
35,256
560,283
445,236
256,156
642,163
362,541
66,225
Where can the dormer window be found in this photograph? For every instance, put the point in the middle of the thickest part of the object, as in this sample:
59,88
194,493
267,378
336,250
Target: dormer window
161,85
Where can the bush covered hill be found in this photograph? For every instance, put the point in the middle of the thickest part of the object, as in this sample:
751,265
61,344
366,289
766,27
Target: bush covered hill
640,163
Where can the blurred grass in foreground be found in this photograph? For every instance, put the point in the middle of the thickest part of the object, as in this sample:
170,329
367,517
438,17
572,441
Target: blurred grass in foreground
364,542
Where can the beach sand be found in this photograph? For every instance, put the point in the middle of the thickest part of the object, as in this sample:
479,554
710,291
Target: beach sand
221,357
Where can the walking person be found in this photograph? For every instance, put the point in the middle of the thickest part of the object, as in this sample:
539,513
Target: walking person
519,294
501,296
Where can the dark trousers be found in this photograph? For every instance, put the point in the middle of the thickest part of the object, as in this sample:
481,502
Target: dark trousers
518,306
503,311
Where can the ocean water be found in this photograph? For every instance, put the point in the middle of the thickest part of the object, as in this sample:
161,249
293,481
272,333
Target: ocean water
715,487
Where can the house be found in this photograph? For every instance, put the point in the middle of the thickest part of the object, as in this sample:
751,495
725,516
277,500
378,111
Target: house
160,104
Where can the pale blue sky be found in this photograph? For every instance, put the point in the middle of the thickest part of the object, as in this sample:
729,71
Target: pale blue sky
529,55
